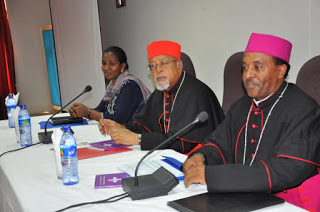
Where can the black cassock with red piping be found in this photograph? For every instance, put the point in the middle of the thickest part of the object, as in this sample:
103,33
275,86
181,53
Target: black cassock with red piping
282,155
166,112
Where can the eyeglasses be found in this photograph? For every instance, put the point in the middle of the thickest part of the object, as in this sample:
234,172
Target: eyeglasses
163,64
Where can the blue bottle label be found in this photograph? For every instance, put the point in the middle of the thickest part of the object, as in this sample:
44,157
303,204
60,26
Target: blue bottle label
24,122
70,151
11,107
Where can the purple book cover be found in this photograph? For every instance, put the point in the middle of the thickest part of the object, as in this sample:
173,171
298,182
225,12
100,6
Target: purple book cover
109,180
106,145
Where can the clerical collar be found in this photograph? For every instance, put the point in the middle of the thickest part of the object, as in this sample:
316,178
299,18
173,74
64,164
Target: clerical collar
176,86
271,98
258,101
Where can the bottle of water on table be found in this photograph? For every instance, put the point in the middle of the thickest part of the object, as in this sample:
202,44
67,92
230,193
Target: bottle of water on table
69,160
11,104
24,126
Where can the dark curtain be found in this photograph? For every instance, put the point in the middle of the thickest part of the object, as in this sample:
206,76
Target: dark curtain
7,73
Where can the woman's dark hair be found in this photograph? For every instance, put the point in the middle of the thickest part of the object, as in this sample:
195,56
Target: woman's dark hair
119,53
280,62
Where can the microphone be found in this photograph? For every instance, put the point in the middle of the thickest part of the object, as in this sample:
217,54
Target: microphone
201,117
45,137
161,181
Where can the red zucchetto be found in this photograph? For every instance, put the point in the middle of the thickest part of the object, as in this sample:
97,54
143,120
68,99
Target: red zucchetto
164,47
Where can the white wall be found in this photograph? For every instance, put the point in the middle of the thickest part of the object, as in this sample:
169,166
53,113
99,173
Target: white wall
210,31
78,50
314,27
78,47
25,18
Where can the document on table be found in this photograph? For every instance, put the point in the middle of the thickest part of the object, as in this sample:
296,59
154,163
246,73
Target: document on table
150,166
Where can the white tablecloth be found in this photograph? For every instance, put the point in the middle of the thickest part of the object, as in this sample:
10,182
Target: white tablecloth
28,179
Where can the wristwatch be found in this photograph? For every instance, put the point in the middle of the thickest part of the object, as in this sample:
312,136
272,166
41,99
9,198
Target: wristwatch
139,138
89,112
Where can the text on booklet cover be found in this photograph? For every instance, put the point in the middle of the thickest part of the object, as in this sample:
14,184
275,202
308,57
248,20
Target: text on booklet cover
109,180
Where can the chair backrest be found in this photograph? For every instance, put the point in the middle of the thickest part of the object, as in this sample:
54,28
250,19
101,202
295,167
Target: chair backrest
309,78
233,87
187,64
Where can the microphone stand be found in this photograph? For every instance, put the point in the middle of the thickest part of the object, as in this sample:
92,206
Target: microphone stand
161,181
45,137
158,147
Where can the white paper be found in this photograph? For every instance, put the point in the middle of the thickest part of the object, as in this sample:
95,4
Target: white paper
56,138
16,97
15,114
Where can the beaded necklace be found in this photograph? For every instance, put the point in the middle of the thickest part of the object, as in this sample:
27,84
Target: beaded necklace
264,126
164,107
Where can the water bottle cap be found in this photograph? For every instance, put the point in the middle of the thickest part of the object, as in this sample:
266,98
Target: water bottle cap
66,128
23,106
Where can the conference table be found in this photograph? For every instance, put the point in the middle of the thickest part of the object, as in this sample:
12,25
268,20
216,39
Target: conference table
28,177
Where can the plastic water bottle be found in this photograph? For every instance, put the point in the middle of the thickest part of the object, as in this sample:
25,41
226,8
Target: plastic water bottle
24,126
69,160
11,104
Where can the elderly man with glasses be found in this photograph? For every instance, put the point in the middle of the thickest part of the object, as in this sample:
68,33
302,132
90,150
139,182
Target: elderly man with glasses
176,102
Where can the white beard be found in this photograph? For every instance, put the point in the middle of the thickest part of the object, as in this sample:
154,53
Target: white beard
163,87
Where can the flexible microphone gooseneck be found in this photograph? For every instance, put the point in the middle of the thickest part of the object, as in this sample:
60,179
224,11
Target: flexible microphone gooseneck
148,186
45,137
203,116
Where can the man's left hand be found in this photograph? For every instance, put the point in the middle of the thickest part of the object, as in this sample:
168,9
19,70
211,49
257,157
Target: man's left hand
195,174
124,136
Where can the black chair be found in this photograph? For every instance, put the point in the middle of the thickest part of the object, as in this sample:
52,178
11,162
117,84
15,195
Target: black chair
309,78
187,64
233,87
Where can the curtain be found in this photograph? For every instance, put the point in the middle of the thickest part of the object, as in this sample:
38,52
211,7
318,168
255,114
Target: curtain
7,74
78,50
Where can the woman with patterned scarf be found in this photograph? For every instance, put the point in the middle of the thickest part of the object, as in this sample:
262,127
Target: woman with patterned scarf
125,94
